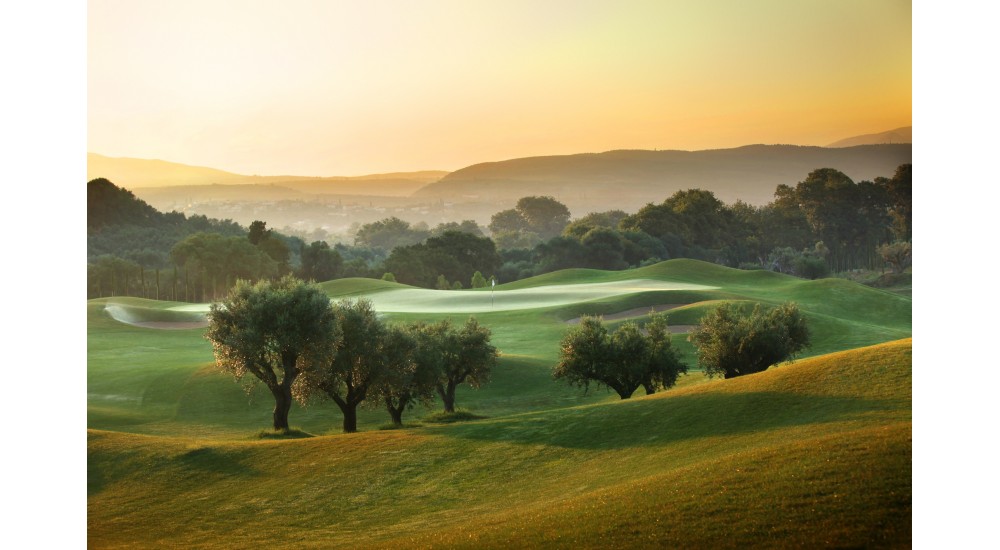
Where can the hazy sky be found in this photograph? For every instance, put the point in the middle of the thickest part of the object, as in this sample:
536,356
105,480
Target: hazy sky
356,87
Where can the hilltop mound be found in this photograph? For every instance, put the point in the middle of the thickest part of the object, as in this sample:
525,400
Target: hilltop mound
109,205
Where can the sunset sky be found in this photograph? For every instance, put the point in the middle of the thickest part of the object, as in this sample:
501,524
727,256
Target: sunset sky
356,87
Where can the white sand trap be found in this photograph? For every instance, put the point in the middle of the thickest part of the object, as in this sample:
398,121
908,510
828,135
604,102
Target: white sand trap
415,300
125,315
192,308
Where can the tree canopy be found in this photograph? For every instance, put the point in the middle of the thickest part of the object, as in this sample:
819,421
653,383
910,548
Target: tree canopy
454,255
622,360
320,262
357,360
733,342
274,331
458,356
411,372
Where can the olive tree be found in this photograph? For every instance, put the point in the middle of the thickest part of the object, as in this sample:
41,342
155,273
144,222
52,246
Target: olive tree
274,331
465,355
411,369
733,342
622,360
356,360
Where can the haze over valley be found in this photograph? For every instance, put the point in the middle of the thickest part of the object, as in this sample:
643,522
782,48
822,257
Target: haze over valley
586,182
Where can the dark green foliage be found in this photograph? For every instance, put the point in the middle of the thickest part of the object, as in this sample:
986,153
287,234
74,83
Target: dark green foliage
274,331
258,232
365,254
508,221
107,274
506,240
459,356
623,360
558,253
359,360
277,250
410,374
610,219
810,267
388,234
119,224
733,342
214,259
900,195
544,215
603,248
852,219
109,205
641,246
320,262
454,256
465,226
478,281
533,219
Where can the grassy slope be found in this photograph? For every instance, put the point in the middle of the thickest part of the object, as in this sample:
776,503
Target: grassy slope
162,382
813,453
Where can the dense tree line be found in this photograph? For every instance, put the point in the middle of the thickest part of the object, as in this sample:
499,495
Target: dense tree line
825,223
134,250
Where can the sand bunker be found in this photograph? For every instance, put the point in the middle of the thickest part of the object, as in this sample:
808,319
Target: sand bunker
127,315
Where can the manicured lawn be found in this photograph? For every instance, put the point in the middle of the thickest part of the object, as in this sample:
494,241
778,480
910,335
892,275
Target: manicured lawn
816,452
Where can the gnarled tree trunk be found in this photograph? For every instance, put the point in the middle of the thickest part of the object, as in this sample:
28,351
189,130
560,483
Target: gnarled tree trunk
395,410
282,404
447,396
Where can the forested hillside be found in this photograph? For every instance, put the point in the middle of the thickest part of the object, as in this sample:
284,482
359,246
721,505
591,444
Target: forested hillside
826,223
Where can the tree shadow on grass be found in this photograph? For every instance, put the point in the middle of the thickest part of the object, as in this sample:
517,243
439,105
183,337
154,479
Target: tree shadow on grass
195,466
656,422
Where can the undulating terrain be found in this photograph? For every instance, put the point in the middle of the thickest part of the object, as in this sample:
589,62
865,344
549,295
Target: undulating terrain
812,453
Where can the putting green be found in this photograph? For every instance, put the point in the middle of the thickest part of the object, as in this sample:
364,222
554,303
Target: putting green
420,300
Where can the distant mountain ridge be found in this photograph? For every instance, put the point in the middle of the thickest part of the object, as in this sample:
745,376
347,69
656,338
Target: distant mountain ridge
587,182
133,173
628,179
899,135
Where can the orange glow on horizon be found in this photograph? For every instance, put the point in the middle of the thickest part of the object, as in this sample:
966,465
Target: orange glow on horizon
353,87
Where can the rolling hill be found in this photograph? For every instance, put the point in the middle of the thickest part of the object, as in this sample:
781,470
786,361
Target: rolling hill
630,179
899,135
816,452
136,174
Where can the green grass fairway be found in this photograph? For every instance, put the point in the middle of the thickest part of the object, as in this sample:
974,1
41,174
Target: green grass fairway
816,452
813,453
